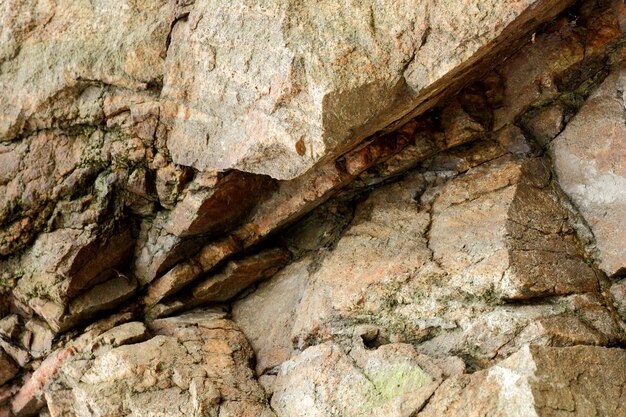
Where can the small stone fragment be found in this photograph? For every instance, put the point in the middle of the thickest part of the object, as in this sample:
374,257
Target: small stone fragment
239,275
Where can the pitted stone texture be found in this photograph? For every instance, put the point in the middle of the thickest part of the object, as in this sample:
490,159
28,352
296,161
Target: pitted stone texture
590,161
195,365
52,51
437,270
323,380
273,87
539,382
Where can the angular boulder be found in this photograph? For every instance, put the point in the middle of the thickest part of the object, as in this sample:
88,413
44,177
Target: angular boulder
195,365
590,161
273,87
539,382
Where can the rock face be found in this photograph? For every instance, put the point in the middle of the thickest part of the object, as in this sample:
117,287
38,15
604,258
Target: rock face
590,160
392,381
316,78
443,234
539,381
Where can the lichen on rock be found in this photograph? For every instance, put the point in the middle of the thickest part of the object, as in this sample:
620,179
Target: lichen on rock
286,208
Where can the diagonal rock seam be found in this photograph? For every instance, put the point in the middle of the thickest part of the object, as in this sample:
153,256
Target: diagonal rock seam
440,262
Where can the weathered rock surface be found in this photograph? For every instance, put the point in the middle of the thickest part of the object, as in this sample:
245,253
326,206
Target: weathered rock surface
239,275
323,380
441,262
472,238
266,316
8,368
314,79
194,365
590,161
539,381
53,52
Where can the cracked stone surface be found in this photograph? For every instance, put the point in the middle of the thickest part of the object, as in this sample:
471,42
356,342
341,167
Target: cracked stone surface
444,239
196,364
590,161
539,382
316,78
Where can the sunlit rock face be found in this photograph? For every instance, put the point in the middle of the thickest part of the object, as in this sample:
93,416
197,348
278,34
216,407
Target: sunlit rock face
273,87
286,209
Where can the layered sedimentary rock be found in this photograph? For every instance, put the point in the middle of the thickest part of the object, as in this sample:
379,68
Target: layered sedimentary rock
310,209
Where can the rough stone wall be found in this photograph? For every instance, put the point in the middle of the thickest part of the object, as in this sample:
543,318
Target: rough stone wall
303,209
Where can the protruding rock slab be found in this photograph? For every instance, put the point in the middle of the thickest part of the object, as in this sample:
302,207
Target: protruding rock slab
417,256
214,211
273,87
539,382
186,272
590,161
99,298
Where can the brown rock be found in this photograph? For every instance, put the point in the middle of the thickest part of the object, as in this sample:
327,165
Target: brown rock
214,211
97,258
93,52
590,162
7,391
239,275
266,316
8,368
102,297
459,126
157,251
175,279
186,272
545,123
376,152
66,261
539,382
292,200
214,253
99,298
